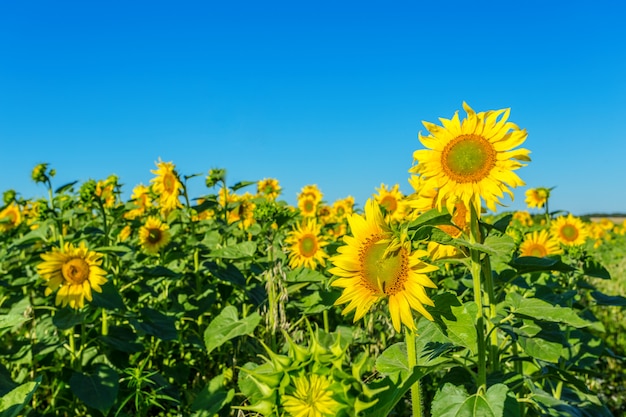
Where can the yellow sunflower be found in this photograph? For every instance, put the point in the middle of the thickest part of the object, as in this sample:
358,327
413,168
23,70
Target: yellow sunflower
392,200
370,268
569,230
154,235
344,207
76,270
311,191
471,160
308,206
523,217
105,190
312,396
269,188
167,186
141,198
537,197
10,217
539,244
306,245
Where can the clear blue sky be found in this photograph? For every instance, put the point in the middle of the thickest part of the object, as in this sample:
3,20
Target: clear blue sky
327,92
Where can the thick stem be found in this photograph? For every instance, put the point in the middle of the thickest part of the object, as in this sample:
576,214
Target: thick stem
416,395
476,270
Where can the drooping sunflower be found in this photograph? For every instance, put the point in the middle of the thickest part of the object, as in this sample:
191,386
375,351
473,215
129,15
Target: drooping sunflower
312,396
167,186
306,245
10,217
472,160
269,188
569,230
154,235
76,270
537,197
371,267
539,244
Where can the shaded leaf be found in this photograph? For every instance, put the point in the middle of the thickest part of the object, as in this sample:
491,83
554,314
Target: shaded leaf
537,309
155,323
14,401
227,326
97,389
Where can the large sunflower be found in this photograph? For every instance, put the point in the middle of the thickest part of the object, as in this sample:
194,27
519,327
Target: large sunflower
473,159
167,186
306,245
370,268
569,230
154,235
539,244
76,270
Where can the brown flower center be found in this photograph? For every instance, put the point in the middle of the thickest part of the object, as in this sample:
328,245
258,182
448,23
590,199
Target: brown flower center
468,158
75,271
154,236
308,245
383,273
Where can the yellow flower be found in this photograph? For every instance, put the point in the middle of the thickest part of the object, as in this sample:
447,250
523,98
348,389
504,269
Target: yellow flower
167,186
523,217
306,245
269,188
311,397
154,235
311,191
371,268
10,217
124,233
537,197
76,270
308,206
471,160
392,200
539,244
344,207
569,230
141,198
105,190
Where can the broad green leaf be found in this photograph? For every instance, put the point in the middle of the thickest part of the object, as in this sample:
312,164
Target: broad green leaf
454,401
11,321
537,309
97,389
593,268
213,397
229,273
608,300
109,298
65,187
67,317
388,391
431,217
156,324
14,401
123,339
393,362
542,349
493,245
237,251
461,329
525,264
227,326
117,250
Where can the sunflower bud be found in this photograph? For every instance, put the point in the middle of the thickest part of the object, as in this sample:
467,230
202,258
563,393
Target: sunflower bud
215,175
88,191
8,197
39,173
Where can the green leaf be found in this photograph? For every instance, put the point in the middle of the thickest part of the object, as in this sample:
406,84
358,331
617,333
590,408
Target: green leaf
461,329
212,398
595,269
67,317
241,184
14,401
388,391
537,309
123,339
116,250
525,264
493,245
155,323
227,326
97,389
393,362
237,251
542,349
432,217
65,187
109,298
608,300
11,321
229,273
454,401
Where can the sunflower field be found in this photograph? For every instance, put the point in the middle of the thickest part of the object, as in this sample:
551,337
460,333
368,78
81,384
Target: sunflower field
236,303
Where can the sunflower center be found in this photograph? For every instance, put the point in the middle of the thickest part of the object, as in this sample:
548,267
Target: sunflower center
468,158
169,182
384,273
154,235
569,232
309,206
390,203
308,246
75,270
538,251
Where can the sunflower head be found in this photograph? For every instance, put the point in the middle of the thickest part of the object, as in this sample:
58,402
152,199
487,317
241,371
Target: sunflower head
471,160
569,230
311,191
539,244
269,188
74,271
306,245
10,217
537,197
154,235
167,186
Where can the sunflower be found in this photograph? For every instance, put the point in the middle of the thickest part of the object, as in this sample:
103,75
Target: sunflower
76,270
311,191
537,197
539,244
167,186
311,397
524,218
392,200
370,267
141,198
308,206
269,188
105,191
569,230
344,207
306,245
154,235
10,217
471,160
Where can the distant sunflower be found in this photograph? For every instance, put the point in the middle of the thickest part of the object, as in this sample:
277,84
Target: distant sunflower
154,235
306,245
76,270
569,230
308,206
311,191
471,160
269,188
141,199
539,244
392,200
344,207
10,217
537,197
312,396
167,186
370,268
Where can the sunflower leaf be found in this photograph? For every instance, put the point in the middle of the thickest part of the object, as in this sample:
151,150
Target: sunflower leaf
227,325
97,389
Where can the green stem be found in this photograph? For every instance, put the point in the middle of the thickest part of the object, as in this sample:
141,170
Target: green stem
490,303
476,270
105,323
416,395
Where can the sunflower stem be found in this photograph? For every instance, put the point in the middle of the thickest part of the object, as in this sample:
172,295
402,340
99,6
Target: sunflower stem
476,270
490,304
105,323
416,394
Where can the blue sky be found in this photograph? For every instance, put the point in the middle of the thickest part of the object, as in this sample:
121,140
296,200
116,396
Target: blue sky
326,93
